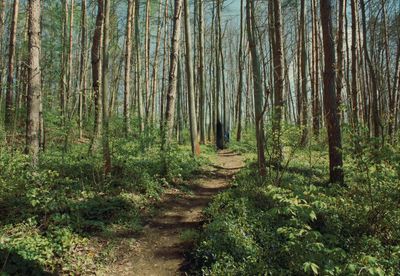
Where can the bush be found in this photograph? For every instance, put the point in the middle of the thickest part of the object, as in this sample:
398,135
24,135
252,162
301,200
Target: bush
305,226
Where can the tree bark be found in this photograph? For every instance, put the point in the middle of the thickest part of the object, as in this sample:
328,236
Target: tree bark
2,23
340,53
127,72
376,121
82,70
105,88
8,119
354,65
190,82
172,81
330,101
34,84
316,89
303,70
258,93
96,71
202,90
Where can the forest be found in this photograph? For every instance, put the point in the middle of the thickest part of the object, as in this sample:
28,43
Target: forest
199,137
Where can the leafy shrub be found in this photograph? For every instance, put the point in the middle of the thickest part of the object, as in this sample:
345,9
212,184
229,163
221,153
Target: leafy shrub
305,226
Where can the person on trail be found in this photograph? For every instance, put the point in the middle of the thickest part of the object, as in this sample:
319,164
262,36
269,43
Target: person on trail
220,136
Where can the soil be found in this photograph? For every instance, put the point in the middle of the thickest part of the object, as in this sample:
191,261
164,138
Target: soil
160,250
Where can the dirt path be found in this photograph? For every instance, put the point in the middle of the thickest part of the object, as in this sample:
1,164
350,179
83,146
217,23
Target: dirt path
160,251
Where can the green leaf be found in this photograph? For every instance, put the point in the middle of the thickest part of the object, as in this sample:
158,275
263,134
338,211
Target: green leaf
309,266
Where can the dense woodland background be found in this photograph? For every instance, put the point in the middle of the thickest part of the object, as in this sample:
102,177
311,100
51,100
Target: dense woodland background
107,103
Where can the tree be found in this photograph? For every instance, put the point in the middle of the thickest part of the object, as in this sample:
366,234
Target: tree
257,82
278,82
105,88
330,101
240,73
96,71
82,69
340,51
172,80
127,76
190,83
8,119
315,71
303,73
376,121
201,72
34,83
354,65
2,23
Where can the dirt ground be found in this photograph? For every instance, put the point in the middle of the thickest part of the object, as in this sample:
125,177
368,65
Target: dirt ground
159,251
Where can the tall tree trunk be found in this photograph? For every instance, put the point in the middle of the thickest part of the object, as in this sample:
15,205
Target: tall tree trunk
240,73
202,89
258,93
303,69
172,81
340,52
165,62
69,91
315,97
82,69
330,101
8,119
2,23
376,121
127,72
147,59
105,88
155,63
34,84
278,83
218,88
354,64
96,71
138,69
190,82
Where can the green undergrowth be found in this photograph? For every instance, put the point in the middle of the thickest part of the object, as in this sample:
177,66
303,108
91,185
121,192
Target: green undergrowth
62,217
295,223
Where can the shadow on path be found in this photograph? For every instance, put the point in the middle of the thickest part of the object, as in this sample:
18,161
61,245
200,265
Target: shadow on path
160,251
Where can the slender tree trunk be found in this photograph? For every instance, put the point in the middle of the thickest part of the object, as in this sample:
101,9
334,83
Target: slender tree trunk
82,70
240,73
155,64
138,69
2,23
34,84
330,101
340,52
376,122
164,69
96,71
172,82
258,94
190,82
69,91
105,87
315,98
127,75
354,64
202,89
218,88
303,70
8,119
147,59
278,83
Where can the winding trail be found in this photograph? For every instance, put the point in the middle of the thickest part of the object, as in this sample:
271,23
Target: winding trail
160,249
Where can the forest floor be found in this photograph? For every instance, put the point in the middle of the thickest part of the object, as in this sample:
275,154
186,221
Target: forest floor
160,250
